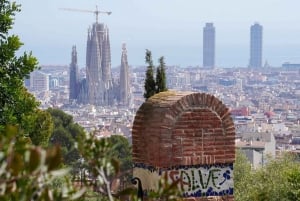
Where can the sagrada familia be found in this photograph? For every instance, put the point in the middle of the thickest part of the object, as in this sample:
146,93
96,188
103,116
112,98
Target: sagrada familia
98,88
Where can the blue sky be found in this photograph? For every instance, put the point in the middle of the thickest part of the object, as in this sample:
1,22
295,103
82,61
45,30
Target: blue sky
170,28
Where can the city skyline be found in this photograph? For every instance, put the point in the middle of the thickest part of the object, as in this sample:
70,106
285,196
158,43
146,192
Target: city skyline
171,28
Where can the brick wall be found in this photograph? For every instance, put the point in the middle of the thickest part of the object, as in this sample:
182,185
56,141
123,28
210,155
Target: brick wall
183,128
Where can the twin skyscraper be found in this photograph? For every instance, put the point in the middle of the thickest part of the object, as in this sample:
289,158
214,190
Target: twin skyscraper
209,46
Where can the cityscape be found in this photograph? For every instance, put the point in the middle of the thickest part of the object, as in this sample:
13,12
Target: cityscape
264,100
168,100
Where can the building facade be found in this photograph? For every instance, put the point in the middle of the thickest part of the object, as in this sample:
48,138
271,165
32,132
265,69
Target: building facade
256,39
39,81
209,46
257,147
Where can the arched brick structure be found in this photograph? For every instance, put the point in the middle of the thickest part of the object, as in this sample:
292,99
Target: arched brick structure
172,129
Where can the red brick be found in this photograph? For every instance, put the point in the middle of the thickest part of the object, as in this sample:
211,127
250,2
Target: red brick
183,128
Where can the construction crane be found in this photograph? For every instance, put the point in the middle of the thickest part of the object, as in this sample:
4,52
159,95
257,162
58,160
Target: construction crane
96,12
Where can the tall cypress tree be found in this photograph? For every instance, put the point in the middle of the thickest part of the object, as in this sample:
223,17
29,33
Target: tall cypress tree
161,76
158,79
149,86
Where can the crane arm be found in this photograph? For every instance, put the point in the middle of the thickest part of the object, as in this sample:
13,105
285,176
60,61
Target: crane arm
108,13
79,10
96,12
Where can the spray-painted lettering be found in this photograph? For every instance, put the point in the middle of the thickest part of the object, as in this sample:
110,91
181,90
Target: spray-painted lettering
191,180
198,181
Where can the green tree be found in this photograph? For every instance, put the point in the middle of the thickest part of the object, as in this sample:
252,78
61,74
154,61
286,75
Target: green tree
15,102
29,172
293,177
66,133
121,150
17,105
161,76
149,85
277,180
242,173
42,128
101,163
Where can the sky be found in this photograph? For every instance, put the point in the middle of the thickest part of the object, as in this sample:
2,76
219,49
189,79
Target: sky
169,28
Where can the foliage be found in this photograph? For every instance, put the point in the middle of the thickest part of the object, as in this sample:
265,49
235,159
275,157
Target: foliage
293,177
100,163
17,106
15,102
121,150
277,180
161,76
166,191
42,128
27,172
66,133
103,160
159,84
30,172
242,172
149,85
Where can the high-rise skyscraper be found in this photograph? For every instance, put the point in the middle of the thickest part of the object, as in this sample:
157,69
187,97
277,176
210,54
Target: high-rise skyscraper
209,45
73,75
256,37
124,78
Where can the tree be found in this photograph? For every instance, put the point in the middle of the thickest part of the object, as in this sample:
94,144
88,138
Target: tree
28,172
17,105
149,85
13,70
242,173
159,84
161,76
101,162
121,150
42,128
66,133
277,180
293,177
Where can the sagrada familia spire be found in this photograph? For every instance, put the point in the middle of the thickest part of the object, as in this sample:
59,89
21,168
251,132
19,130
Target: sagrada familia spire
73,75
98,66
124,78
98,88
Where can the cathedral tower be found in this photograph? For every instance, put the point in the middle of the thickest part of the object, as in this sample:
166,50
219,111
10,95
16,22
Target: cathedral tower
98,66
73,75
124,78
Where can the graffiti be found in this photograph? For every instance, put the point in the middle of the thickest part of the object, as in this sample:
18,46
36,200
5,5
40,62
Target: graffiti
193,180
